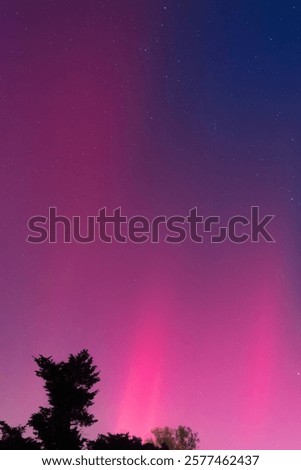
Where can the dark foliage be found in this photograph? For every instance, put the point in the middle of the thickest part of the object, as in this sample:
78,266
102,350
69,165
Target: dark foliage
180,438
68,386
119,442
12,438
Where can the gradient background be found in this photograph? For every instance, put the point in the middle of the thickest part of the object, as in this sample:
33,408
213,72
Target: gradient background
155,106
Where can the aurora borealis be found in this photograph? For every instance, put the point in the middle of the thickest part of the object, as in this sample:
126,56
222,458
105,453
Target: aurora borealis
155,107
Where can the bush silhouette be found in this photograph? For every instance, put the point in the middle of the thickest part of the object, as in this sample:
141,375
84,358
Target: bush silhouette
12,438
119,442
68,386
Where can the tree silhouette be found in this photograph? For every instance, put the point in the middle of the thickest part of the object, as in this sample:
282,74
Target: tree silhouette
12,438
180,438
120,442
68,386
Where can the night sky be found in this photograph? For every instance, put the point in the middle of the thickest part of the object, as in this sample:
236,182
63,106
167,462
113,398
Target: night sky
155,107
